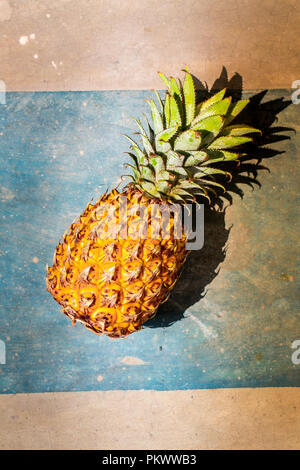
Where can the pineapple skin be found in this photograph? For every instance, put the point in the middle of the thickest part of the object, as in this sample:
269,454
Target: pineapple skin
114,285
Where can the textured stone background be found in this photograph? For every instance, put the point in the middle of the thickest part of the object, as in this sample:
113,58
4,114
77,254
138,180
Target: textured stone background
230,329
100,44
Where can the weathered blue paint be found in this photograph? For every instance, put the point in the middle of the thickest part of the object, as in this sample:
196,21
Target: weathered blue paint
58,150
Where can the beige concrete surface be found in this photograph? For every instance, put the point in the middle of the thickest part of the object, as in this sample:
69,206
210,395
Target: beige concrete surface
99,44
266,418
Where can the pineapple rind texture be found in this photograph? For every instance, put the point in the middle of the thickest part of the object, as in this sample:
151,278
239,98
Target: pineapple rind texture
114,285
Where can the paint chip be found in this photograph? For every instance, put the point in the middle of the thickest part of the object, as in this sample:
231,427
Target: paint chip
23,40
132,361
99,378
6,194
35,259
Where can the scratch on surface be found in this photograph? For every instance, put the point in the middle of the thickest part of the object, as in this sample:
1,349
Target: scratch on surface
133,361
207,331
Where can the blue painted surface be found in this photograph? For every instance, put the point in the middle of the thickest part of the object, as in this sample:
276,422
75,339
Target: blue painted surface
58,150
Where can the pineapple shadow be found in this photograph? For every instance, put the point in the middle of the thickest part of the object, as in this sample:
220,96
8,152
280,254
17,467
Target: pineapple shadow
203,266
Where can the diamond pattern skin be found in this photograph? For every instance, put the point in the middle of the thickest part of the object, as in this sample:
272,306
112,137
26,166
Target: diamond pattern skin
114,285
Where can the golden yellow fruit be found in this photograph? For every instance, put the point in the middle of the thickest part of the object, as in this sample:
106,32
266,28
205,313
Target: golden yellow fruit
114,285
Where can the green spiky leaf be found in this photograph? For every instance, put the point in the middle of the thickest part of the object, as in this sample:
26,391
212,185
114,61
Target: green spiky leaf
212,183
196,157
184,142
147,172
165,80
221,156
189,98
239,130
140,154
211,124
188,140
210,171
229,142
157,163
159,101
174,87
175,112
167,111
235,109
156,117
174,159
167,134
217,109
212,100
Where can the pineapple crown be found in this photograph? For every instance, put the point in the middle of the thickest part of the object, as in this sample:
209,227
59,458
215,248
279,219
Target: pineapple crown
180,155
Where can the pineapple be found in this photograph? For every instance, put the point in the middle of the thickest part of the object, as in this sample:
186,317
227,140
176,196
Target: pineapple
112,276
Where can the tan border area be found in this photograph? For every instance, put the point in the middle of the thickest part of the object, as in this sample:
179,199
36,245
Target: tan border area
265,418
99,44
